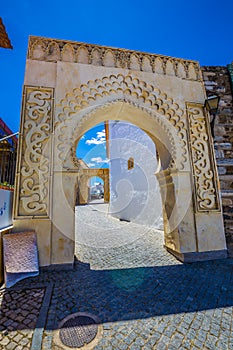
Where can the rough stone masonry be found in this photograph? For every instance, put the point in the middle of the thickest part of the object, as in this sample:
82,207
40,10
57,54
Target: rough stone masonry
218,80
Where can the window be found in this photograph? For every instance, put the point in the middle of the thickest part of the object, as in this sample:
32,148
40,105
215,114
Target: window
130,163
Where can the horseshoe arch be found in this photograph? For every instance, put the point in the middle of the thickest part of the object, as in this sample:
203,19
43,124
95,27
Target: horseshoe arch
68,89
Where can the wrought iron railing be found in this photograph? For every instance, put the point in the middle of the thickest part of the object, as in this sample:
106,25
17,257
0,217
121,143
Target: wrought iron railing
8,154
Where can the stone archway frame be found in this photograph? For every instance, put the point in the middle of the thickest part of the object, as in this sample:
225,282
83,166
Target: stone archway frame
162,133
114,89
86,174
169,121
51,134
175,210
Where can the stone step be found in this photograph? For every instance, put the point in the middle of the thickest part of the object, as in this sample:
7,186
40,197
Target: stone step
223,145
226,178
223,125
226,185
226,193
228,215
225,170
228,222
228,207
226,181
227,198
225,162
223,154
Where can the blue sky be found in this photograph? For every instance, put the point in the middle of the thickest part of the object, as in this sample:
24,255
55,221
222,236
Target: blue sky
201,30
92,147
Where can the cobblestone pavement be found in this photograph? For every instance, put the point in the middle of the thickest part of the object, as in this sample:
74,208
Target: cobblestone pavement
143,296
18,317
108,243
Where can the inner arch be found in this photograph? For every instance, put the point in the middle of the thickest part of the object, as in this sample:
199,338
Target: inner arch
156,126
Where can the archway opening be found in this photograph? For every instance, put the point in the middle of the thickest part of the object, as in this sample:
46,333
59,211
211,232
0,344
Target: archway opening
134,212
96,190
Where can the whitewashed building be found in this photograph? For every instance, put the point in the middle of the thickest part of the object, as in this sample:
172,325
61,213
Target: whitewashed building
134,189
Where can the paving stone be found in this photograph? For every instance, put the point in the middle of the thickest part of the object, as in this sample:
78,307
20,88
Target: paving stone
160,346
18,337
11,346
143,296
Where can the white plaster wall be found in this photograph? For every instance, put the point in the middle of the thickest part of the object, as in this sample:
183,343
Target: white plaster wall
134,193
6,203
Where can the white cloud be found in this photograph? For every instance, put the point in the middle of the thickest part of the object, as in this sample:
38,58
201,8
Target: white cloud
98,140
90,165
101,134
99,160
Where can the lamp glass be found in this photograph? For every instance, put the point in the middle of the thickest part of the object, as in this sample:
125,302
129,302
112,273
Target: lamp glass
211,103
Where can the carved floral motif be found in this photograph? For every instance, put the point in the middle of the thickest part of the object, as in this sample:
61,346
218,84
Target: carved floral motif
35,159
203,167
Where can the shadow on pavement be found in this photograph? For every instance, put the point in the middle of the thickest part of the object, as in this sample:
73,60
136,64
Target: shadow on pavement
119,295
127,294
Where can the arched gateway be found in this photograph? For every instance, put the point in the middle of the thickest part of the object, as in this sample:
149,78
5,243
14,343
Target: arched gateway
84,176
70,87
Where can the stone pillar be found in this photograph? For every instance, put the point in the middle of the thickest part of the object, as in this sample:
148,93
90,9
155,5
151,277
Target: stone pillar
83,190
208,212
106,188
63,218
33,188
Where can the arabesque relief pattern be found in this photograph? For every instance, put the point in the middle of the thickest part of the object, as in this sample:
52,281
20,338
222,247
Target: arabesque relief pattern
203,167
35,151
120,88
52,50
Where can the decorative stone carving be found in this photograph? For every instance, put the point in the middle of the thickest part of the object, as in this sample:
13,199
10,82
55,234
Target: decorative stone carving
170,68
192,72
35,151
192,231
159,65
122,59
181,70
119,88
96,58
53,50
67,53
204,170
146,64
82,55
68,144
134,62
109,59
38,50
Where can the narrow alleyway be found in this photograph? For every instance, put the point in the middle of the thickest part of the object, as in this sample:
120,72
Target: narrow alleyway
105,242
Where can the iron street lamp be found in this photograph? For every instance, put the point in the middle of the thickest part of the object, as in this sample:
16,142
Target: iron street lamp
211,104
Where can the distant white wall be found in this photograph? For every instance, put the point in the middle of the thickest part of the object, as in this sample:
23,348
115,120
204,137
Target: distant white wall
134,193
6,204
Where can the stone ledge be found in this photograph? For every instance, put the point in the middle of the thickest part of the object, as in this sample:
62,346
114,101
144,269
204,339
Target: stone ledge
199,256
57,267
226,193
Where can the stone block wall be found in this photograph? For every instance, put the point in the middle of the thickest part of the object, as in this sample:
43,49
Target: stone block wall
218,81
